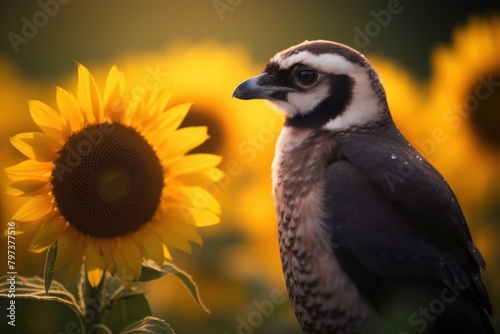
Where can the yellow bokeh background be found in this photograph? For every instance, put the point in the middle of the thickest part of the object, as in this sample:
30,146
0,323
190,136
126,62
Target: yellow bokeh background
238,267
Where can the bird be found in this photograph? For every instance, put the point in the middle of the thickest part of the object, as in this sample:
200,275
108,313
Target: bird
372,238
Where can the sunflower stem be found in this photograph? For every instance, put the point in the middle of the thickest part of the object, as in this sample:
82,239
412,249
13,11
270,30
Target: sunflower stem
95,302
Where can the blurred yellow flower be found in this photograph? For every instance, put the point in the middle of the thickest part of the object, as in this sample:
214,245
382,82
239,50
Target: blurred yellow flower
405,97
464,106
244,133
109,179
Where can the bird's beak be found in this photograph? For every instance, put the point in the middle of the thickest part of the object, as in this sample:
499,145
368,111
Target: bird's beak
254,88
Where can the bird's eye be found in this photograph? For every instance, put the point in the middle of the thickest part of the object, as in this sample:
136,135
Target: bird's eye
306,77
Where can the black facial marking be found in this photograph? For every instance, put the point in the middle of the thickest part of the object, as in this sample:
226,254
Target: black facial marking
277,77
340,95
282,78
279,95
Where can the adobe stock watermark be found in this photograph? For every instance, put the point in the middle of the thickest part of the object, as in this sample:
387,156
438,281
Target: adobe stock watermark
321,253
84,147
262,309
153,79
248,150
223,6
425,315
32,25
455,117
381,19
404,170
93,135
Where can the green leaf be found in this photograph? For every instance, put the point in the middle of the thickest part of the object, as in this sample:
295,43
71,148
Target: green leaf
148,325
128,295
48,273
31,291
151,272
100,329
34,288
40,316
127,309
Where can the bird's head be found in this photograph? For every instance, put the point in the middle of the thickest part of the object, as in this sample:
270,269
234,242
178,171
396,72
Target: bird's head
320,84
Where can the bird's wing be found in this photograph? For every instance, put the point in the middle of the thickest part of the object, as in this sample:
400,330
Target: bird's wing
395,222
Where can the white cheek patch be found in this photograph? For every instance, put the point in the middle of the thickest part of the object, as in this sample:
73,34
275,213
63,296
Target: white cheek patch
303,102
364,107
283,106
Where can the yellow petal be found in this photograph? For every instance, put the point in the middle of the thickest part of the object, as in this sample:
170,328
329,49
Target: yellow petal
28,169
194,163
182,141
33,210
113,92
37,146
48,233
202,178
152,245
65,247
79,245
132,256
70,110
170,237
30,187
88,94
184,231
107,253
176,223
166,253
23,227
196,197
121,266
171,119
46,118
94,262
202,218
157,102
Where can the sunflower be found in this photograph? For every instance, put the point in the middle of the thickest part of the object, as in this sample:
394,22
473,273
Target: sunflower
244,133
404,96
464,100
207,73
110,179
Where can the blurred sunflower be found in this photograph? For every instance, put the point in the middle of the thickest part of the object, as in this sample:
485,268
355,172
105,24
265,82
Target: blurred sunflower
112,182
244,134
404,96
207,73
464,104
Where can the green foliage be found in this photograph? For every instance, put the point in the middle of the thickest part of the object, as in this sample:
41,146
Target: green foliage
150,272
34,288
110,308
55,312
148,325
126,311
49,266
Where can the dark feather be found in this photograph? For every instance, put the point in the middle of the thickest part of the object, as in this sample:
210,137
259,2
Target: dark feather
398,231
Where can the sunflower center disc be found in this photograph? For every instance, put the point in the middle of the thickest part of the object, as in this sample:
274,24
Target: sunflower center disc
484,107
107,181
112,182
